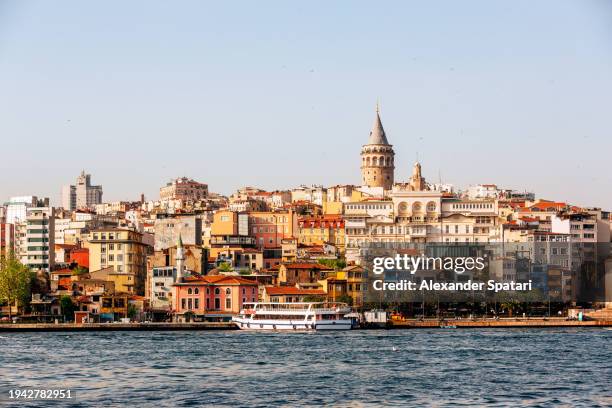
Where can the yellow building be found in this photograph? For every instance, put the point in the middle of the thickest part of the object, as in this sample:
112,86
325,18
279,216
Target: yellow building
120,249
356,282
322,229
122,282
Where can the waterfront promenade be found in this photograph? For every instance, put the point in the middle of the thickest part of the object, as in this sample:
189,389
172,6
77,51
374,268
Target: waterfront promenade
72,327
501,323
395,324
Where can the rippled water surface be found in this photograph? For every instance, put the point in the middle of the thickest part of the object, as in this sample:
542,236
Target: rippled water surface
356,368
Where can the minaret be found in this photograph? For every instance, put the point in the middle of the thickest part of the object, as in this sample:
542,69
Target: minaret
377,157
180,260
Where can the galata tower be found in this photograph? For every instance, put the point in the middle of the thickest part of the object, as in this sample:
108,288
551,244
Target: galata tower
377,164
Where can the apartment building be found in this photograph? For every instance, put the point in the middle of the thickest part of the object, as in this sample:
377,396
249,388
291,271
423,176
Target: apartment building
37,248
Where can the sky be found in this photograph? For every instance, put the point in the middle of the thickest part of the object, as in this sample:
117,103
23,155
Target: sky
276,94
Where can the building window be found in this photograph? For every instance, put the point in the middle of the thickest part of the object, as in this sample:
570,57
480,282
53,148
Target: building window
183,303
196,291
189,291
196,303
228,303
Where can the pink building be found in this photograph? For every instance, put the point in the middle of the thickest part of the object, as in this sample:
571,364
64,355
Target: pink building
215,297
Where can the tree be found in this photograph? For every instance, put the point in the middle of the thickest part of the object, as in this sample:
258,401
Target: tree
345,299
333,263
15,279
131,311
68,307
79,270
313,298
225,267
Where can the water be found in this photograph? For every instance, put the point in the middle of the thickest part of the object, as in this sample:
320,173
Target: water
535,367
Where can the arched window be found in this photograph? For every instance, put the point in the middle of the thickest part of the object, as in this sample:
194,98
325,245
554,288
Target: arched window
388,161
228,291
381,160
196,291
416,206
431,206
217,291
374,161
189,291
368,161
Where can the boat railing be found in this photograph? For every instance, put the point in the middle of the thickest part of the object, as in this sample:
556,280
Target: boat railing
296,307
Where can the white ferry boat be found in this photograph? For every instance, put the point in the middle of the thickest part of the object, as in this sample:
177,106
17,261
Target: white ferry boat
294,316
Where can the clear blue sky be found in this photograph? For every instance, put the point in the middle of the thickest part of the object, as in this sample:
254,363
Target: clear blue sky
276,94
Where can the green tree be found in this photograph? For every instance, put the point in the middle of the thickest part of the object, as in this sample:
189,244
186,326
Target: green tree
131,311
225,267
345,299
313,298
68,307
79,270
333,263
15,279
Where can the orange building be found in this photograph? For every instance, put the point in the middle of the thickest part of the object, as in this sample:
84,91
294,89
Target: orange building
80,256
269,228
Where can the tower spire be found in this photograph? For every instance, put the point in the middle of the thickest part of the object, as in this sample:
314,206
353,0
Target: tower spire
377,134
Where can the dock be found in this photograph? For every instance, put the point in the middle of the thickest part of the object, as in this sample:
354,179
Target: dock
87,327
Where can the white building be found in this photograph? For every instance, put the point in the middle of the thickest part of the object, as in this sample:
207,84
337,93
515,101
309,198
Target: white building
17,206
38,251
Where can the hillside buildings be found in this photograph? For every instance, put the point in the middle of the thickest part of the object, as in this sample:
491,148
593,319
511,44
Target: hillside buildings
183,189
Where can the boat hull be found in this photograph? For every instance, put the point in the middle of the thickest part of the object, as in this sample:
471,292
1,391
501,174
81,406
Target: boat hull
292,325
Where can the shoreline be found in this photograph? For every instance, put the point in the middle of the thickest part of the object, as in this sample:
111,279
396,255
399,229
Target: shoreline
72,327
394,325
504,323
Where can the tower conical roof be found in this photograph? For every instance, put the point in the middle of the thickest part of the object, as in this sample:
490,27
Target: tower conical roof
377,134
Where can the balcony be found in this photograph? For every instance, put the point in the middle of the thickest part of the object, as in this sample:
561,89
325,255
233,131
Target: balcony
232,240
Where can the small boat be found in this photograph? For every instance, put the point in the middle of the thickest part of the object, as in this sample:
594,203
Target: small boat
448,326
294,316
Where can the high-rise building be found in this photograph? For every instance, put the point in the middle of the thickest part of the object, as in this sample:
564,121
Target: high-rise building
377,158
38,247
81,195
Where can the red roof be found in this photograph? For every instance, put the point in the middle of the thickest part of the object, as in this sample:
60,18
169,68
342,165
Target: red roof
548,206
218,280
306,265
292,290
